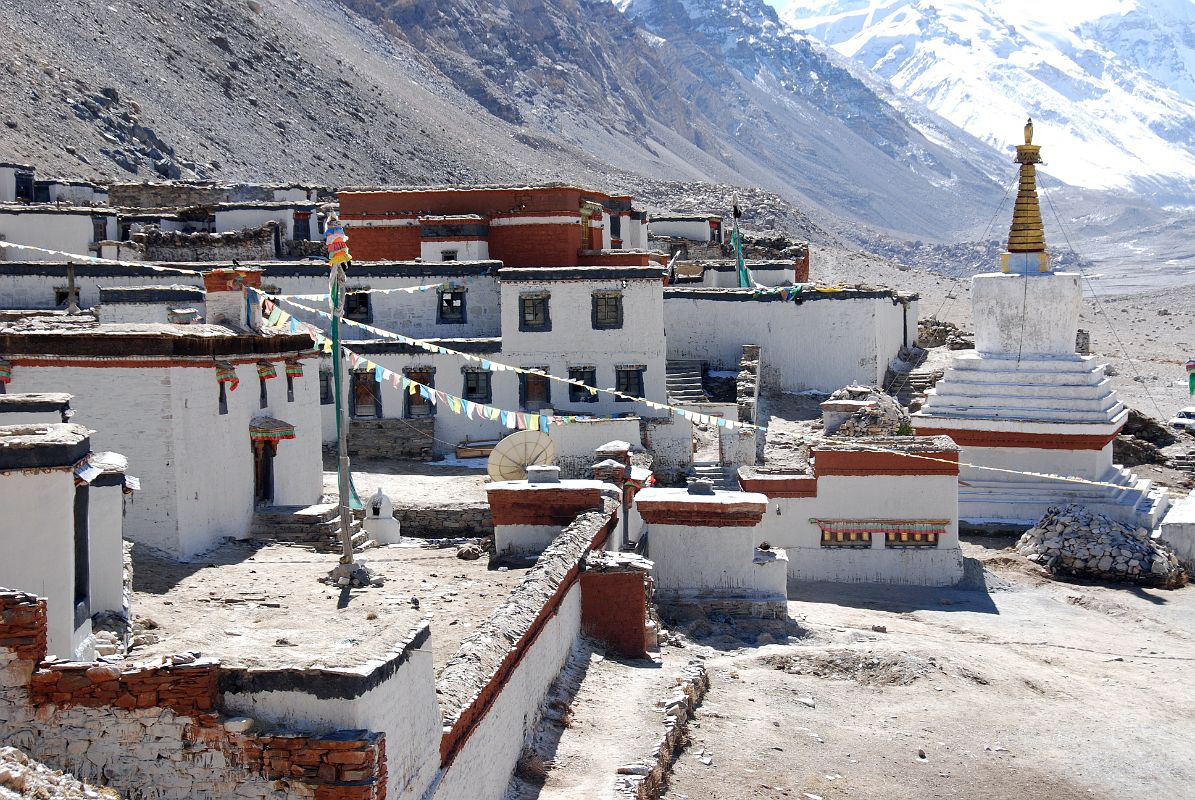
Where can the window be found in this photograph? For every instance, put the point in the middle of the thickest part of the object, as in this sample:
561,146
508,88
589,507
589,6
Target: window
24,186
448,255
629,380
302,231
607,310
356,307
477,386
615,226
62,295
223,398
533,312
326,394
264,398
846,538
99,229
587,376
290,389
535,391
451,310
418,406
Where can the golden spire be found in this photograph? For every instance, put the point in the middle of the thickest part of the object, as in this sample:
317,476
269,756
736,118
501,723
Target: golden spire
1027,234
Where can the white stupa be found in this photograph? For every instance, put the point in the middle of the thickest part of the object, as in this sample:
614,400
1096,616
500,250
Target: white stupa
1025,400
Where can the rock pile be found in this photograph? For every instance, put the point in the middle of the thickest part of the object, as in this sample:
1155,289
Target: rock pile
936,333
884,418
1072,540
21,777
355,575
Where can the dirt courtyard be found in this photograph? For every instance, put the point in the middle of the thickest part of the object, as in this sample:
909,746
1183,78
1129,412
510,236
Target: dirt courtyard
1031,689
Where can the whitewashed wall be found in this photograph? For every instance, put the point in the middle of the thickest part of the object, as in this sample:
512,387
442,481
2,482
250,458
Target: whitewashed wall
195,465
8,184
819,345
69,232
575,443
105,521
694,562
697,230
34,287
670,440
235,219
38,543
467,250
403,707
481,770
868,497
572,340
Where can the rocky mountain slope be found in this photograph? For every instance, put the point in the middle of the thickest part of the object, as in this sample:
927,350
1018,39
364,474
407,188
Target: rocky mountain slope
393,91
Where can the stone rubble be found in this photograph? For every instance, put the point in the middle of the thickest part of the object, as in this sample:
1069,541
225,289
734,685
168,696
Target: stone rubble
355,575
23,777
645,779
886,418
1073,541
936,333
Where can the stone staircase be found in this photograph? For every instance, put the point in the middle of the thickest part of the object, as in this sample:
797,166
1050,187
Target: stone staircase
1184,462
724,478
316,526
683,379
914,383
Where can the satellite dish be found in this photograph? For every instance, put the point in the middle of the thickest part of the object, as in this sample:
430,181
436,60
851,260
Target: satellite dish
511,456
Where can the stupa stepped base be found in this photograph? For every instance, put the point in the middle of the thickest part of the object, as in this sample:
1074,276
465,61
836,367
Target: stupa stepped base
1056,390
993,498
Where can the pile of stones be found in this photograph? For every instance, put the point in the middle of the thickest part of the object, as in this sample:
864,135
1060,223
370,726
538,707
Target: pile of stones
936,333
884,418
355,575
1072,540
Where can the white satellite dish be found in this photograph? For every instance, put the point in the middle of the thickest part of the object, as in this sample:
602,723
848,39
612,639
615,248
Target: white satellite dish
511,456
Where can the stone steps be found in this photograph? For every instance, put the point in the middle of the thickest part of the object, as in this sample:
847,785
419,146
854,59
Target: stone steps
683,380
724,479
316,526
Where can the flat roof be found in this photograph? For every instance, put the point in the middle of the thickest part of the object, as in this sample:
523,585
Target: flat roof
53,208
75,336
256,605
52,444
517,274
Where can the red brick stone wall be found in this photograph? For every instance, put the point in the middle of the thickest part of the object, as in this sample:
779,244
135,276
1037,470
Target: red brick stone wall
609,259
550,245
397,243
23,625
186,689
541,506
444,202
781,487
614,610
702,515
869,462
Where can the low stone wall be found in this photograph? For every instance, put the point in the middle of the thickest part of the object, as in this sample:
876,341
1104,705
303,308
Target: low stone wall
251,245
155,730
491,690
646,780
446,522
392,438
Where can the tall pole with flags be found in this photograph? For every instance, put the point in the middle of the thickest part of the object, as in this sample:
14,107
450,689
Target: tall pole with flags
744,279
338,257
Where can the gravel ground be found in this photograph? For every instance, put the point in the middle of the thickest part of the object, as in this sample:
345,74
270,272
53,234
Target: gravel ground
1032,689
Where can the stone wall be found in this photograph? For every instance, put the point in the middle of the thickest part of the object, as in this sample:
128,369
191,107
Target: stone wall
255,244
392,438
155,730
446,522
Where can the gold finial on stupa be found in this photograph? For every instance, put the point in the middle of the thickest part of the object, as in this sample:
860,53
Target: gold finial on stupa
1027,235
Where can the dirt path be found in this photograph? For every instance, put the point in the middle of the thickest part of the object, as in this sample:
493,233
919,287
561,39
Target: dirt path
612,719
1043,690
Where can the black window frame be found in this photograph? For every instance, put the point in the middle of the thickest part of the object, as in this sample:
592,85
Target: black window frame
533,327
222,401
327,393
620,384
362,310
82,559
455,253
441,319
475,395
575,393
263,398
600,304
290,388
409,403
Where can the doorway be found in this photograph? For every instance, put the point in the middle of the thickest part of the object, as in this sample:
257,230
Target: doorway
263,472
365,396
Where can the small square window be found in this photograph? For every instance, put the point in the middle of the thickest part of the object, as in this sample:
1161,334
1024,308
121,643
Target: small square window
356,307
628,381
478,387
587,376
533,313
326,396
448,255
607,310
451,309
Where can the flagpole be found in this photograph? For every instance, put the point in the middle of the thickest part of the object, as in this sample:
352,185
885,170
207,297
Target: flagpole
336,284
738,247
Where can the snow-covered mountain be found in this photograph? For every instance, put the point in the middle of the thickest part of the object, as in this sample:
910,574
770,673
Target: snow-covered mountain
1111,83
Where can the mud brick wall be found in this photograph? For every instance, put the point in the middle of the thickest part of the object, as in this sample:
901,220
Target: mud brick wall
156,731
614,610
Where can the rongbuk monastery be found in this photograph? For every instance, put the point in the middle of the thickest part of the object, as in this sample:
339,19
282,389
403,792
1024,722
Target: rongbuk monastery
168,404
